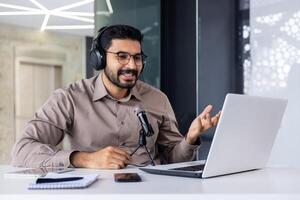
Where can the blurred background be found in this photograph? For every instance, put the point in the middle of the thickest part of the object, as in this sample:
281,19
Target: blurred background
198,51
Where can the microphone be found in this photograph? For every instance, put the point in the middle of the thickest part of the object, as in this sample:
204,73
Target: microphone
146,126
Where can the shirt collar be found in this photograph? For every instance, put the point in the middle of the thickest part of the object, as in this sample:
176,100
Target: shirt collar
100,90
134,91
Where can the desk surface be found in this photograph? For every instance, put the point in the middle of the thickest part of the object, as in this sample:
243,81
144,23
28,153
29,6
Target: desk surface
268,183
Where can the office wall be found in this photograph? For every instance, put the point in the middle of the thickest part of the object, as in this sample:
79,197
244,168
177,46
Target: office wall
19,43
275,69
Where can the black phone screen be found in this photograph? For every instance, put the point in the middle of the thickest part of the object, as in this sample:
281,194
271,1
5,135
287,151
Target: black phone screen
127,177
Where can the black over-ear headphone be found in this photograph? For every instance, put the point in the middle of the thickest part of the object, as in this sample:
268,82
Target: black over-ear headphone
97,53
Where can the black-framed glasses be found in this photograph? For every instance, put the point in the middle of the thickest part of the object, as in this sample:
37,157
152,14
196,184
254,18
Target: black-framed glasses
124,58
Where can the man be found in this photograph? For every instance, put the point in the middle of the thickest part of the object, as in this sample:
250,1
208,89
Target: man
98,115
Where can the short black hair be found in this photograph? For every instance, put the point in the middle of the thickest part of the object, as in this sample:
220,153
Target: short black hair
117,32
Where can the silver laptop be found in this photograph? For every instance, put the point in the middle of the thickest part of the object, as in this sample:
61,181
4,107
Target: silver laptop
243,139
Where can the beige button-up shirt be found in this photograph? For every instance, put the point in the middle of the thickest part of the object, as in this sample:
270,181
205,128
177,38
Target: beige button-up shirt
93,120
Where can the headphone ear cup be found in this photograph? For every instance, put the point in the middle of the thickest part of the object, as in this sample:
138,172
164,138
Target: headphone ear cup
98,55
93,59
102,59
97,60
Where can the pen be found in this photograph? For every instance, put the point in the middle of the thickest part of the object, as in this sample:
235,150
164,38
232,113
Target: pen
53,180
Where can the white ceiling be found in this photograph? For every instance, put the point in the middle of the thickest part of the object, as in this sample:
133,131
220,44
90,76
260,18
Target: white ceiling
67,16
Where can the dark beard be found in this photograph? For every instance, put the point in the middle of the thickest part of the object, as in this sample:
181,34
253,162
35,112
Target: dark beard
116,81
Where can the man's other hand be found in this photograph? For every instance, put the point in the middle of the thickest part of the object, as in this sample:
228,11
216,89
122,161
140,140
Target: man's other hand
203,122
107,158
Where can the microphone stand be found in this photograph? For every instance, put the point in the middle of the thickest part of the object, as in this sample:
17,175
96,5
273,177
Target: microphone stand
142,143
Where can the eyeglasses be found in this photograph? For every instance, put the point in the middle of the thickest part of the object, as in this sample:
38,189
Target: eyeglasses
124,58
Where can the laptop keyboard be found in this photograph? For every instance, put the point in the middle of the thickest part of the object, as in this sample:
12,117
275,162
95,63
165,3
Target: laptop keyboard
190,168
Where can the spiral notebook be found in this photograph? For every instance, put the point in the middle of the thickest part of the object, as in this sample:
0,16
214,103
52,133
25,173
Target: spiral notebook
86,181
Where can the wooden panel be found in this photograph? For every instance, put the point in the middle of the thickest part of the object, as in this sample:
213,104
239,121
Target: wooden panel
34,84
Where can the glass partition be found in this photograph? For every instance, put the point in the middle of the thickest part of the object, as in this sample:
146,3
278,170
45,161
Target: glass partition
275,68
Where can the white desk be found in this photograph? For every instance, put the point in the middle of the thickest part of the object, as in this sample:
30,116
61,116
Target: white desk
270,183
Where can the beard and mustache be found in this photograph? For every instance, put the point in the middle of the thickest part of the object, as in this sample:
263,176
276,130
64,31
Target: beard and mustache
114,78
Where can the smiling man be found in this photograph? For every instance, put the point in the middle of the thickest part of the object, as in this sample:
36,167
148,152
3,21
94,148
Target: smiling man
98,115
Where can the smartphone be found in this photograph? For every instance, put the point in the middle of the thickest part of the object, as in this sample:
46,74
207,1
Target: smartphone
127,177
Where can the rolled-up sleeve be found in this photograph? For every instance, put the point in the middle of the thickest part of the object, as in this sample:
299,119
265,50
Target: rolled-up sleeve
37,147
171,144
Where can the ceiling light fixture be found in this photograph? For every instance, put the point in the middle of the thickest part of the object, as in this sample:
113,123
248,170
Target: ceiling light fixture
110,9
17,7
86,14
73,5
60,12
22,13
45,22
70,27
38,5
78,18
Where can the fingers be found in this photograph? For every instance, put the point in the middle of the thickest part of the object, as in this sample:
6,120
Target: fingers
114,166
117,163
121,157
110,158
206,113
216,118
208,119
203,122
121,153
206,110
